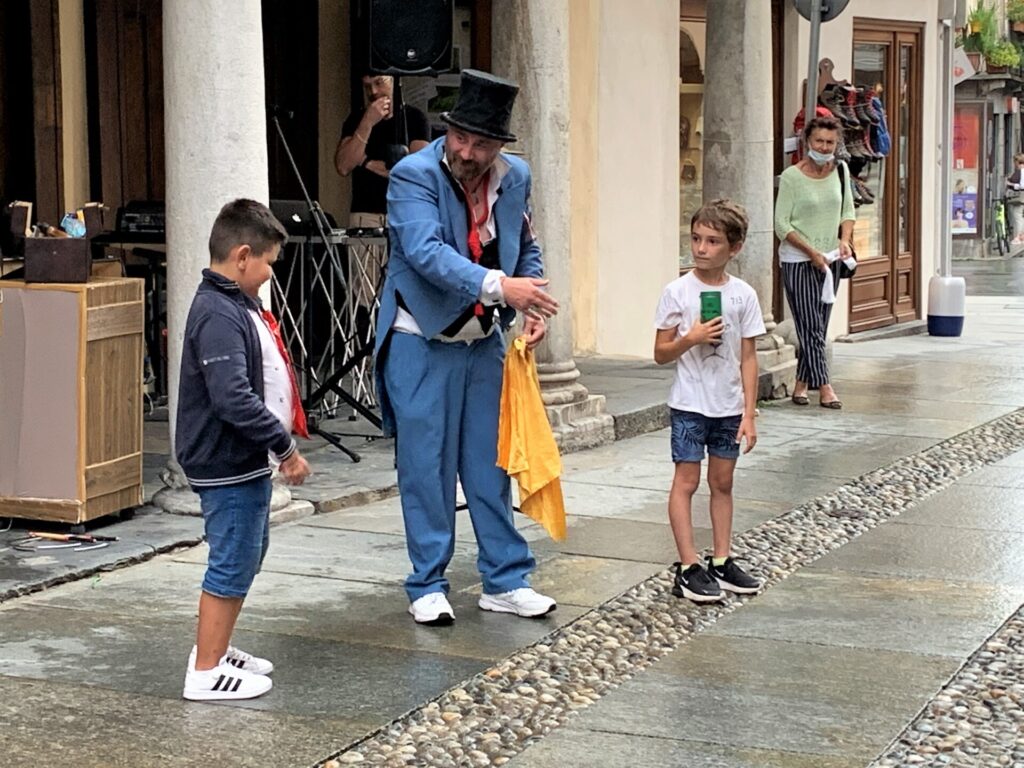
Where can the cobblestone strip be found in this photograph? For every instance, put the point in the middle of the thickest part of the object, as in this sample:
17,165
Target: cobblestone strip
497,714
978,717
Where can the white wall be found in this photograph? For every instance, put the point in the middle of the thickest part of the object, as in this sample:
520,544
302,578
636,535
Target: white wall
638,169
837,44
334,193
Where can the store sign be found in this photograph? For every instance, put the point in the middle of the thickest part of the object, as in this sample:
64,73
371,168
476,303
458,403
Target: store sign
962,67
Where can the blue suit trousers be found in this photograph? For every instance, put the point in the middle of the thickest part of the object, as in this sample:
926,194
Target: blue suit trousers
446,398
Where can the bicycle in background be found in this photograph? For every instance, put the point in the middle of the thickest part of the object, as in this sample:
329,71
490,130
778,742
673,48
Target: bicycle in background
997,217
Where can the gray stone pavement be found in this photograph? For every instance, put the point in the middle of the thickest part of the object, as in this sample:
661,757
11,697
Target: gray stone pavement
993,277
826,668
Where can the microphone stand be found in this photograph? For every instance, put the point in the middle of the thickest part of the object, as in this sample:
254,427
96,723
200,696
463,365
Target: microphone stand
319,219
316,213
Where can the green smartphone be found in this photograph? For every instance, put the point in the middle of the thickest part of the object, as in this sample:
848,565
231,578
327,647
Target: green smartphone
710,305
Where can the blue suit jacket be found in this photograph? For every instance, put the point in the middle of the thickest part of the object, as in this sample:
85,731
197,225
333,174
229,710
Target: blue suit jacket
429,261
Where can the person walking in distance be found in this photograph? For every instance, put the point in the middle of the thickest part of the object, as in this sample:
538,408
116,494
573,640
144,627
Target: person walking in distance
814,217
1014,201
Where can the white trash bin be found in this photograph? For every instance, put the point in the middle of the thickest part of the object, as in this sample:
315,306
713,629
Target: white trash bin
947,298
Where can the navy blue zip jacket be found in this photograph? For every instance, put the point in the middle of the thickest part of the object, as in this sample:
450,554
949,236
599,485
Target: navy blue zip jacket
224,430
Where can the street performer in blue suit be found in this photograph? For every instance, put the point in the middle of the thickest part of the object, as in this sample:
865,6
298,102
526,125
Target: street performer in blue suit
463,259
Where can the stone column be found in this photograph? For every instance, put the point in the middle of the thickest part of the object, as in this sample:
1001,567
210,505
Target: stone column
531,47
738,157
216,151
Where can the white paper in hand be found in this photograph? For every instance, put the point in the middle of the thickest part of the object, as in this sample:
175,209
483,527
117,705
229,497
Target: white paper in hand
828,290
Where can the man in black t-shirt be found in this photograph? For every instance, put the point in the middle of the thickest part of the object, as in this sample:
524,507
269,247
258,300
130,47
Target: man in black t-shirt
367,148
372,140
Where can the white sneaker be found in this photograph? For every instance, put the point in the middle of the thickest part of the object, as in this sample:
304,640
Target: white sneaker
239,658
224,682
433,609
522,602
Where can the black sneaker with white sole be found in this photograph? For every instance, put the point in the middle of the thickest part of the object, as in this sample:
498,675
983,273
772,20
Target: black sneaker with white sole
695,584
732,578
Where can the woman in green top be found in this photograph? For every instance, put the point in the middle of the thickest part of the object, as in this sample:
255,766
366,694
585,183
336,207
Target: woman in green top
813,217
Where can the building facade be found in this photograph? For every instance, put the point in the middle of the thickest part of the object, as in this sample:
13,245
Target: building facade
986,126
631,114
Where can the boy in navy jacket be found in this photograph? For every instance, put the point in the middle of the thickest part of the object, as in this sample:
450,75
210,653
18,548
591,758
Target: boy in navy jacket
237,403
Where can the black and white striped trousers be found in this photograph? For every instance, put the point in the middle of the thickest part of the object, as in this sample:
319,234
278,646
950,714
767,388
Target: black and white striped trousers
803,282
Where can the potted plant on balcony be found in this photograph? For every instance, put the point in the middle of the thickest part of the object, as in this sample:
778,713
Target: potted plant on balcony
981,32
1001,56
1015,14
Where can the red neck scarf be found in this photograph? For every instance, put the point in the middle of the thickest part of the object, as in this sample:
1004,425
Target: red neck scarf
298,415
476,249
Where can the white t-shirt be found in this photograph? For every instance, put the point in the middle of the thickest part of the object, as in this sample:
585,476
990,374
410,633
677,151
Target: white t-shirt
277,383
708,378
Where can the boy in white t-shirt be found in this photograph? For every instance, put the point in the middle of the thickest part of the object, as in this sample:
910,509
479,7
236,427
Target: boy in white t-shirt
713,396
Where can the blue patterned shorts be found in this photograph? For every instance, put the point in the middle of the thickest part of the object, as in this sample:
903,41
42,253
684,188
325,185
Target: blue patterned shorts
691,432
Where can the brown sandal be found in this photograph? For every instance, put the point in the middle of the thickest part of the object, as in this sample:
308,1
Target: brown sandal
800,400
835,405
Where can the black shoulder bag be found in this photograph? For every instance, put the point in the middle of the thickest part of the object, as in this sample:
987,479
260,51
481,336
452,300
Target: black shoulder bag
845,273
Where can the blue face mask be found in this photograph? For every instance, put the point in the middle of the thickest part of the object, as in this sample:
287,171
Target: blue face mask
819,158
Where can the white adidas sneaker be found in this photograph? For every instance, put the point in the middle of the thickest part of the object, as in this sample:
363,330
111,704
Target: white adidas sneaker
523,602
240,659
223,683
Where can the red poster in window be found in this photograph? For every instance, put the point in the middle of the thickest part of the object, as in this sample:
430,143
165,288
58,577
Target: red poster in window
966,138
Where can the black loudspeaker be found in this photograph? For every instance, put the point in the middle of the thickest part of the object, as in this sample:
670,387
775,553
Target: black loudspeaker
410,37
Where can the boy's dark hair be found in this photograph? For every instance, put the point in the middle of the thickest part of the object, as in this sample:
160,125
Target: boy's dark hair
821,123
723,216
244,222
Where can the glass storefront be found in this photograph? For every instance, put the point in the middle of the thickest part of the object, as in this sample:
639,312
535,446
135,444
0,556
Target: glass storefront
869,71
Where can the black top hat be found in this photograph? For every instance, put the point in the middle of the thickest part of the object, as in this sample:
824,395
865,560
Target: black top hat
484,105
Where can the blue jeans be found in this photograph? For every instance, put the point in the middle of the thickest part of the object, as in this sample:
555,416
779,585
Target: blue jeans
237,530
691,432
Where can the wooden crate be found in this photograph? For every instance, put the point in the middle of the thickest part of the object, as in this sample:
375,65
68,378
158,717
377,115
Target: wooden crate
70,398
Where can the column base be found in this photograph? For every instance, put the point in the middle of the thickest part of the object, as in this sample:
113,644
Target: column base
578,418
178,501
178,498
776,365
582,424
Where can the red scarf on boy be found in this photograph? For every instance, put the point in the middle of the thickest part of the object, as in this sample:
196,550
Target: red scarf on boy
299,426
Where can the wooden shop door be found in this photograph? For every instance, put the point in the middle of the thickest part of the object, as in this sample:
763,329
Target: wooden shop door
887,56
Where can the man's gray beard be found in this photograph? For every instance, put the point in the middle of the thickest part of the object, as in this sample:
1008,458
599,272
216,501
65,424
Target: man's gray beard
455,164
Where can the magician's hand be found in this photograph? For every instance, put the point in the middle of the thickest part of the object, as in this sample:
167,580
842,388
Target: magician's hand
534,330
527,294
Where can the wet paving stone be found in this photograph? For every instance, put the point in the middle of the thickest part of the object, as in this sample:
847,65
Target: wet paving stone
977,719
493,716
104,728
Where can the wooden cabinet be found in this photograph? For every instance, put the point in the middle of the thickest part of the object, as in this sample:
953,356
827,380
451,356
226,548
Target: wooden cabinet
70,398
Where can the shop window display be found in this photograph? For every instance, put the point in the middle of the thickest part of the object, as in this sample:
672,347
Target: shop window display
869,74
864,142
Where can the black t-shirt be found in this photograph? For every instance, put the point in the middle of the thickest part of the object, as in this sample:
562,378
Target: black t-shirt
369,191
